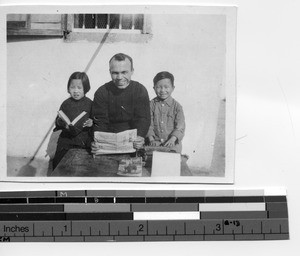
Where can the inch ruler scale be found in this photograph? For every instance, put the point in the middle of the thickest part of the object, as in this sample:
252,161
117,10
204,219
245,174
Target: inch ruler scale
143,215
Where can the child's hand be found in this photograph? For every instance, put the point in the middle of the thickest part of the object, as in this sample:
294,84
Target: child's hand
153,143
171,142
88,123
60,122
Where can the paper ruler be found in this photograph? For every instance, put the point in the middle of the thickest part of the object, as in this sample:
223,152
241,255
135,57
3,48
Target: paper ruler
143,215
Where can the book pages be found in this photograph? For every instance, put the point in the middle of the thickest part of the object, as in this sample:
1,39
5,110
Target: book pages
64,117
165,164
115,143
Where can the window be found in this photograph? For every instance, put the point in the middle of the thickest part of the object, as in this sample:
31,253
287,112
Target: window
35,25
15,21
90,27
121,27
122,22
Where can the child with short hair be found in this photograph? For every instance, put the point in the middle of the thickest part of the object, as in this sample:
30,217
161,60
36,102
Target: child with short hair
74,136
167,118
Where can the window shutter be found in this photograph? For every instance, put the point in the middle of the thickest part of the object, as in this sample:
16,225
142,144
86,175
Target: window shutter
35,24
147,24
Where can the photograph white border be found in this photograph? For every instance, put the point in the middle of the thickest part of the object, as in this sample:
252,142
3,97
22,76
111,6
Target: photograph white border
230,80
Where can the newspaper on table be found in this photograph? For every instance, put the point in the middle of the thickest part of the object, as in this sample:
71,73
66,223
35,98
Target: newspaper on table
115,143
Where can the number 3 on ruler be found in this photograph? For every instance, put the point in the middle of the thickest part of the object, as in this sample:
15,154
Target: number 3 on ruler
218,227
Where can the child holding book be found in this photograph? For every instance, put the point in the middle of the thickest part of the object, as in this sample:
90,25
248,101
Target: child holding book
167,117
76,135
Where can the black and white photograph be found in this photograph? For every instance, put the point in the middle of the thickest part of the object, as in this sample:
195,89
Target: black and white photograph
160,127
119,94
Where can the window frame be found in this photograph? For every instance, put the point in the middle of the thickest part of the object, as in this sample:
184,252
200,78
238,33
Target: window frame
115,35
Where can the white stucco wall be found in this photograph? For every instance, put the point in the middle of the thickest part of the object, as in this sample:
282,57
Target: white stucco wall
192,47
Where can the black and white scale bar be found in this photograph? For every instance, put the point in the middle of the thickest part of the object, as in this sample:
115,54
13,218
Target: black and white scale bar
144,196
149,200
142,207
143,215
171,230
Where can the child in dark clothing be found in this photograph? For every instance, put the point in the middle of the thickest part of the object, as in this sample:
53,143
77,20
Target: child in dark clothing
78,135
167,119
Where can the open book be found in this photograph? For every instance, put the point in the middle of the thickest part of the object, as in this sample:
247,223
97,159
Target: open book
64,117
115,143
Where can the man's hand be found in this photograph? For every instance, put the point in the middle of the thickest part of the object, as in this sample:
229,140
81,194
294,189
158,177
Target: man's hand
138,142
94,147
171,142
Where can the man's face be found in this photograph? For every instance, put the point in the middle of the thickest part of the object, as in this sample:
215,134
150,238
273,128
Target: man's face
120,72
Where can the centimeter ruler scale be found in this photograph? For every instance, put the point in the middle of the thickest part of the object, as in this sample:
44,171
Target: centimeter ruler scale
143,215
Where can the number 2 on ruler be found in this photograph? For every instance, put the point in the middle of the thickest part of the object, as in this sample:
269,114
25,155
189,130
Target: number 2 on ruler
141,228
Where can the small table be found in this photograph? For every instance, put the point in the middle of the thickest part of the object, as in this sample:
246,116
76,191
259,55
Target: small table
81,163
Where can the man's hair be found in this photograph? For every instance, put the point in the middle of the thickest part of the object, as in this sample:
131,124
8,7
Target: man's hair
163,75
121,57
84,79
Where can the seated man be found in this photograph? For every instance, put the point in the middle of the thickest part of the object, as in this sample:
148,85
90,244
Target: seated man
122,104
